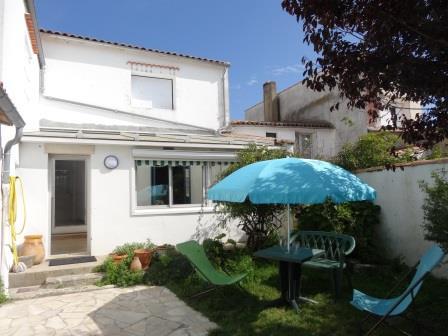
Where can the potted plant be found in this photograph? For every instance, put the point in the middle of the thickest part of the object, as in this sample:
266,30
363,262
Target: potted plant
145,254
123,251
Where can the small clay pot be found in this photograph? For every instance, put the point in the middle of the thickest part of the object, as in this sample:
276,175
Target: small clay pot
136,265
145,256
33,246
118,258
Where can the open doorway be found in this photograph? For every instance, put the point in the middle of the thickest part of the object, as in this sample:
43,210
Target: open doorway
69,223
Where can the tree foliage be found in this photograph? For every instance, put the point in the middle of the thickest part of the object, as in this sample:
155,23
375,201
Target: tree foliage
358,219
435,209
372,150
378,52
258,221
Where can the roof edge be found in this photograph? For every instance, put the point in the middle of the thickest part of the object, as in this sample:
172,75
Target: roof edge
131,46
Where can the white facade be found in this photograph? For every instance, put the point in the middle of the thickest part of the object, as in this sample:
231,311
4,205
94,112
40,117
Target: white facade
85,104
96,75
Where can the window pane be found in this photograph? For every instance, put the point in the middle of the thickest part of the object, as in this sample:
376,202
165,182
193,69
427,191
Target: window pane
152,92
187,185
304,145
215,173
151,185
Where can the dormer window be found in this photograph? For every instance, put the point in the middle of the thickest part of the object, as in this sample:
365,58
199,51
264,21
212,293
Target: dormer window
152,92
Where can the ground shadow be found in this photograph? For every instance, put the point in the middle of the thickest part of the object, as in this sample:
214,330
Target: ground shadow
148,311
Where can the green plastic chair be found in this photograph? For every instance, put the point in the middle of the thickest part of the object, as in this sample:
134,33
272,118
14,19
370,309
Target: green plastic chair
196,255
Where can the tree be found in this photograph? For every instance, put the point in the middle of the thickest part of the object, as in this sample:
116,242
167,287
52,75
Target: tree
435,208
258,221
372,150
378,52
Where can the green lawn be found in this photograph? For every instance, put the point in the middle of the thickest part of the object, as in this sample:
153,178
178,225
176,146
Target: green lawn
245,312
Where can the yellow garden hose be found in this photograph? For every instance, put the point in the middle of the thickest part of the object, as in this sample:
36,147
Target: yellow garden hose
12,213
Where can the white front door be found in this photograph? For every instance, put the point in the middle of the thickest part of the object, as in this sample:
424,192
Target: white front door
68,195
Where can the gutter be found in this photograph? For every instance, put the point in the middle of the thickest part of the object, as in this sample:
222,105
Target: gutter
14,118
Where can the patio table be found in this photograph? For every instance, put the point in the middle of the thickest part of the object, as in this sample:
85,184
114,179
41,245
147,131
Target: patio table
290,269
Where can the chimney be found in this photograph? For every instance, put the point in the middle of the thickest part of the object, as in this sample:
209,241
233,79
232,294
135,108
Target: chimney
270,102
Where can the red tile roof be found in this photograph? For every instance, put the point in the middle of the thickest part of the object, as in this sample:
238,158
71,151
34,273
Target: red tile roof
304,123
118,44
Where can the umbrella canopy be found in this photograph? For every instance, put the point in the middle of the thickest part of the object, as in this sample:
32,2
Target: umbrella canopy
291,181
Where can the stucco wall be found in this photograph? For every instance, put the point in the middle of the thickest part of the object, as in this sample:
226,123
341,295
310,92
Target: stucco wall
99,75
111,221
301,103
401,200
324,139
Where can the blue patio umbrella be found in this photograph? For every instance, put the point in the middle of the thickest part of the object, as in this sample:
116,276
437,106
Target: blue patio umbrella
291,181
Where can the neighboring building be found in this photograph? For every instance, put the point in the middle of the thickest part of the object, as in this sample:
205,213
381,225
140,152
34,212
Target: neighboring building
121,142
301,118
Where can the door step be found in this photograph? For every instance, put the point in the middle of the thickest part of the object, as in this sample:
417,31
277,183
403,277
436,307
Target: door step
33,292
37,275
72,280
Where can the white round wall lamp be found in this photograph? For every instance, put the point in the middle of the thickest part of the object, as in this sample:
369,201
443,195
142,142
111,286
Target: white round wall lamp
111,162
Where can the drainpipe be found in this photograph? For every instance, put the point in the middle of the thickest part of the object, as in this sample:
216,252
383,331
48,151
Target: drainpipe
15,119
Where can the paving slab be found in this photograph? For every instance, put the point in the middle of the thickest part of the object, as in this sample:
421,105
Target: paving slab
133,311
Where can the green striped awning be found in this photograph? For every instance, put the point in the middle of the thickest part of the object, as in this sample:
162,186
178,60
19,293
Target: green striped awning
185,163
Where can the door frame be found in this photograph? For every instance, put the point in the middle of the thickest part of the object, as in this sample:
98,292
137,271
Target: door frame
52,177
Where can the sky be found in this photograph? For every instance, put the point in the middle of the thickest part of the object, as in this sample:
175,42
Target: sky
259,39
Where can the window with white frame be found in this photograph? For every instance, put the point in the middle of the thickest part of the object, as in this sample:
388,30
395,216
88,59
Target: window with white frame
152,92
170,183
304,144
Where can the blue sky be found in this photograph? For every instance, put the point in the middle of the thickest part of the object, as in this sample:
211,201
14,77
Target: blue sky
259,39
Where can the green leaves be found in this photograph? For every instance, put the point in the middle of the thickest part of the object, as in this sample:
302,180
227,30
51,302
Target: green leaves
435,209
357,219
372,150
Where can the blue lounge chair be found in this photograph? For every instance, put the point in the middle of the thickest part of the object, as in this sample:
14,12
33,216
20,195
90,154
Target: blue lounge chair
397,306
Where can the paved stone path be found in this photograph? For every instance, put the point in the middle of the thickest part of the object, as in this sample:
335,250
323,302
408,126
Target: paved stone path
114,311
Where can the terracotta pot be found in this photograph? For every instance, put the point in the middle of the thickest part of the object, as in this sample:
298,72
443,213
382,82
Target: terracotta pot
33,246
136,265
118,258
145,256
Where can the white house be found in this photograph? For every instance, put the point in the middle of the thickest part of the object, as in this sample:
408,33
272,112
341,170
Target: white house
121,142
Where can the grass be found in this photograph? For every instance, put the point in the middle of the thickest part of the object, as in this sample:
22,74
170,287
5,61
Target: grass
245,312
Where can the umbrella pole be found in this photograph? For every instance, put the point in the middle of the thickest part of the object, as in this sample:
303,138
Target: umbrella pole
289,224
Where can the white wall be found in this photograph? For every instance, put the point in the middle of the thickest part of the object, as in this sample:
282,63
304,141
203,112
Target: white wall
401,200
109,209
97,74
19,67
324,139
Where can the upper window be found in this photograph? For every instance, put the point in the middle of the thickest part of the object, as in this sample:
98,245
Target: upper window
271,135
151,92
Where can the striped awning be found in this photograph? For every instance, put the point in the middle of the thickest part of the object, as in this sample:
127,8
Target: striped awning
185,163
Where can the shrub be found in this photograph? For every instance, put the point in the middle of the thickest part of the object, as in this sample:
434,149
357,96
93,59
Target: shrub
435,209
120,274
357,219
3,297
371,150
258,221
166,268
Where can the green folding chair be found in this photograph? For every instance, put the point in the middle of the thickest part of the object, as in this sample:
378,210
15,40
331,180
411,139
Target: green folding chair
198,259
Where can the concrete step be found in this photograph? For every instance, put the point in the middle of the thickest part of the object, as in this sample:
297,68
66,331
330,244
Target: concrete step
37,275
72,280
33,292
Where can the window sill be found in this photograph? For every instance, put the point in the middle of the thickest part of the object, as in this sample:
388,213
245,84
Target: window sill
172,211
